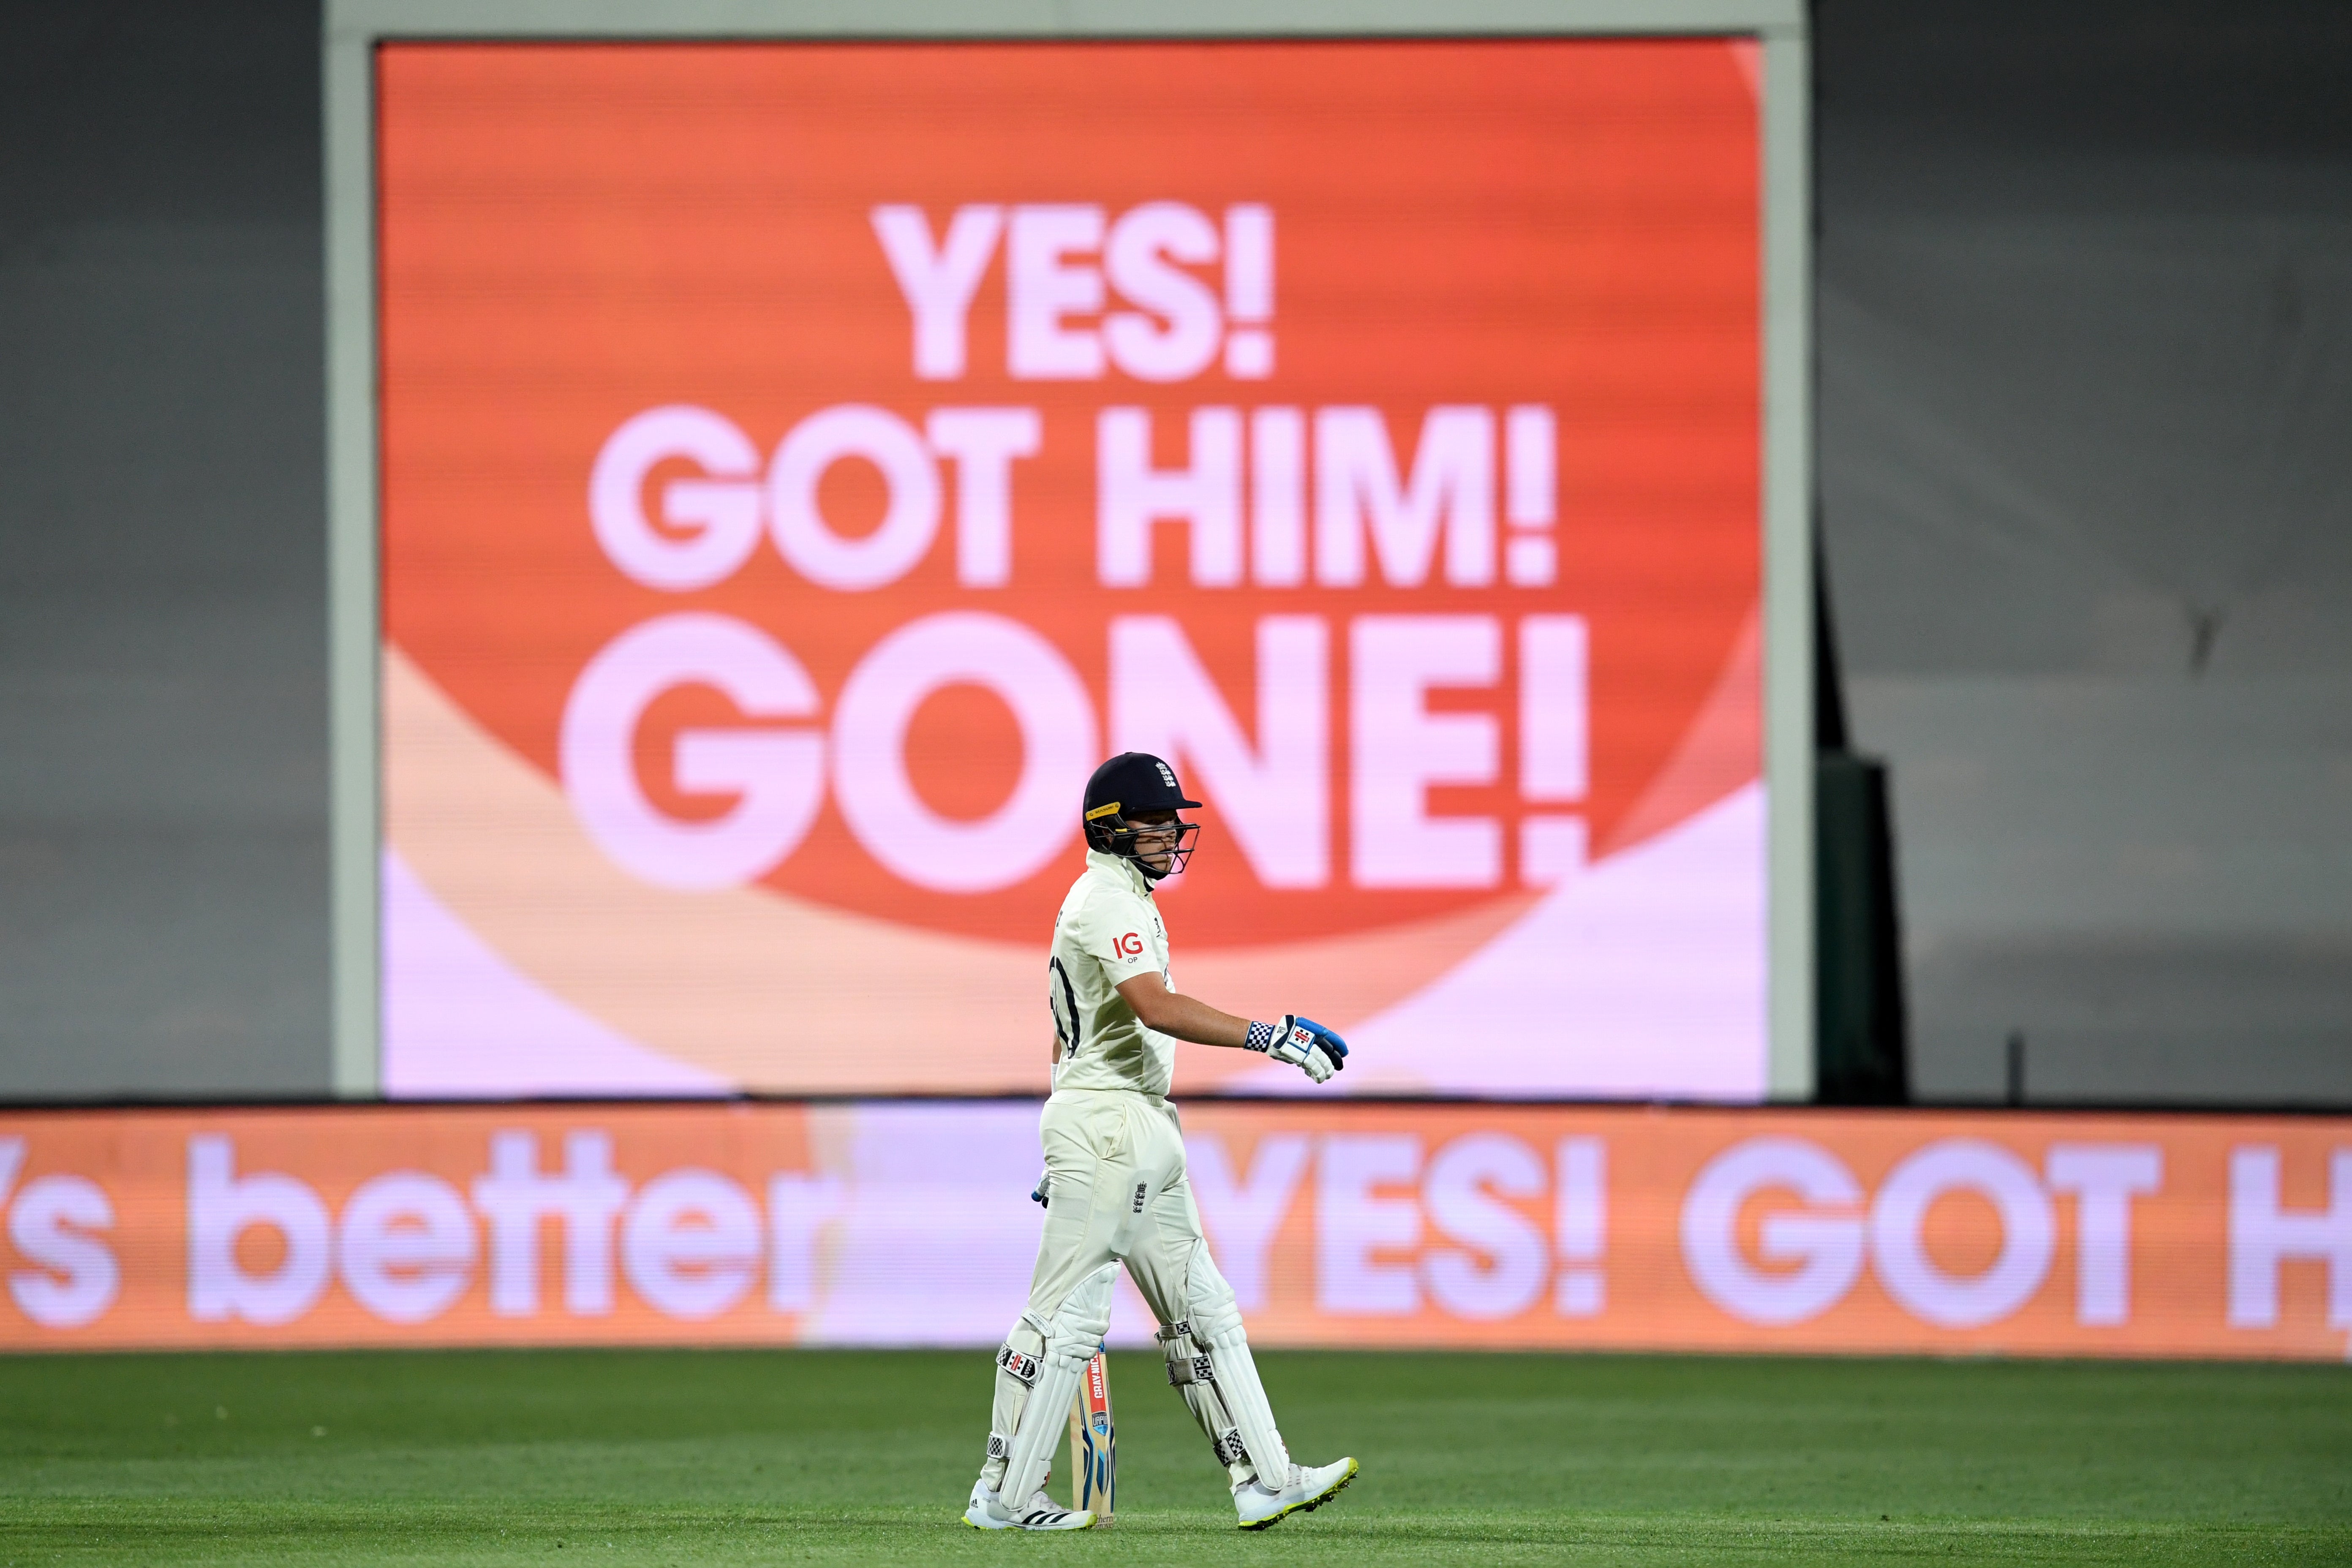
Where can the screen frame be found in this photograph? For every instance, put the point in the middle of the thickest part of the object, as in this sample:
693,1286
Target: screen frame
353,29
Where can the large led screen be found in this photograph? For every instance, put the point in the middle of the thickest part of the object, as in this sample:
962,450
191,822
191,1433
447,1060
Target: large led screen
802,463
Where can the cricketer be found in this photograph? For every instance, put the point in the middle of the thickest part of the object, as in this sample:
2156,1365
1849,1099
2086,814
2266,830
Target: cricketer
1115,1188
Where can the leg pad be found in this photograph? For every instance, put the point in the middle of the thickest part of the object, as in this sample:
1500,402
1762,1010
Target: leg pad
1214,1324
1071,1338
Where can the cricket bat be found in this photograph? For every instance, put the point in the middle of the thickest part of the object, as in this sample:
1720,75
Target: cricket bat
1094,1443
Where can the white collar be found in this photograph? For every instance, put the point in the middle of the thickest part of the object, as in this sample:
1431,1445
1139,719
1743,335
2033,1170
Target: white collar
1118,866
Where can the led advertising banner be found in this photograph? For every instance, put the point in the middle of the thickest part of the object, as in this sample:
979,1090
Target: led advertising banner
1351,1224
802,463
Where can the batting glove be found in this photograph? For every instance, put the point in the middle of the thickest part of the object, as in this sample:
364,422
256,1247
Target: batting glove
1043,1193
1303,1043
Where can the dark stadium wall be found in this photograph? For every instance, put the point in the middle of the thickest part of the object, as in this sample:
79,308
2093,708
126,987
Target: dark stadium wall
2084,293
2084,288
163,774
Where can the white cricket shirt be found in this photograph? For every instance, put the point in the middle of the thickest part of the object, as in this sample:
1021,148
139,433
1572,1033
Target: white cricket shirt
1108,931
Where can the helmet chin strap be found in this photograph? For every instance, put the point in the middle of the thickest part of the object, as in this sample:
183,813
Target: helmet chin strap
1178,851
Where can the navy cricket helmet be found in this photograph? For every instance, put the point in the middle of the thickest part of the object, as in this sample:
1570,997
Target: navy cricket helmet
1127,786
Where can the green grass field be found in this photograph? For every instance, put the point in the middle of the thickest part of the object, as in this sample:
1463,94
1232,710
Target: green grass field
721,1457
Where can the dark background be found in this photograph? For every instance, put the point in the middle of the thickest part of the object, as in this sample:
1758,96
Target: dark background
2085,354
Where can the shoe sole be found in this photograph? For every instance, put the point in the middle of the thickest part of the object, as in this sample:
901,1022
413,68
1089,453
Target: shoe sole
1312,1504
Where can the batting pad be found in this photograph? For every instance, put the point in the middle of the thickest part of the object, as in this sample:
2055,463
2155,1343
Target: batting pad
1071,1337
1216,1323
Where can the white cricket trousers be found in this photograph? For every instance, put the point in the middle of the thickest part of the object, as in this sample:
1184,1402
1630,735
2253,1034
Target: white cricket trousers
1117,1159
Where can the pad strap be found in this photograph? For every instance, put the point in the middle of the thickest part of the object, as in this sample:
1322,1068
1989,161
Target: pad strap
1186,1364
1193,1372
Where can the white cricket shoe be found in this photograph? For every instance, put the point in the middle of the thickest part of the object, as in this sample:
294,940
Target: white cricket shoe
987,1511
1261,1508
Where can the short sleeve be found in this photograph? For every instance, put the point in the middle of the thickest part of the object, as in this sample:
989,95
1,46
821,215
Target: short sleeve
1115,930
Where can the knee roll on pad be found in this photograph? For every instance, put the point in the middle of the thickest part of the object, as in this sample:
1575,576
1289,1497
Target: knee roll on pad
1217,1317
1209,1303
1071,1337
1077,1336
